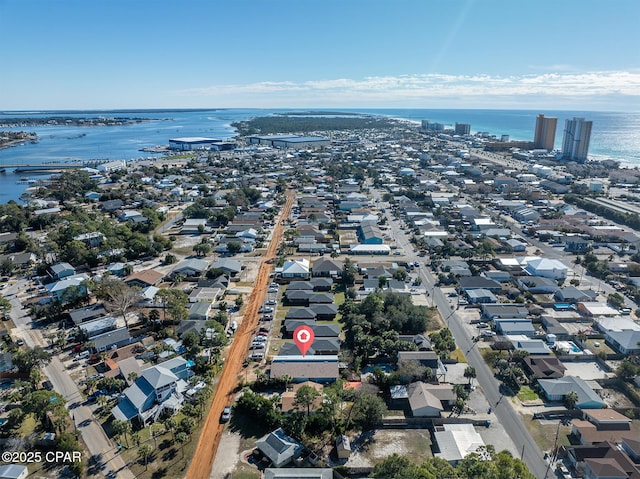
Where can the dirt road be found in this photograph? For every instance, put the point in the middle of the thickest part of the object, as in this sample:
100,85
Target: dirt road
202,462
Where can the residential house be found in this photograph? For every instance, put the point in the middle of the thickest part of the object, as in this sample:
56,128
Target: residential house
295,269
538,284
87,314
319,368
298,473
478,282
543,367
158,389
621,333
493,311
229,266
602,461
144,278
547,268
327,267
557,389
601,425
456,441
573,295
191,268
116,338
480,295
521,342
422,402
13,471
279,448
62,270
65,289
199,311
596,309
514,326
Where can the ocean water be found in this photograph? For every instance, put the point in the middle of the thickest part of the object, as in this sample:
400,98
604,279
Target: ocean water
614,135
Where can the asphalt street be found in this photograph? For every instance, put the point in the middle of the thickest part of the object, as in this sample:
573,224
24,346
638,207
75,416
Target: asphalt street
97,442
502,408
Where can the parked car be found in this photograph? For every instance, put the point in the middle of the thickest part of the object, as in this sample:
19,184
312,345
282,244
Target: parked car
256,356
226,414
266,317
482,325
260,339
257,346
271,302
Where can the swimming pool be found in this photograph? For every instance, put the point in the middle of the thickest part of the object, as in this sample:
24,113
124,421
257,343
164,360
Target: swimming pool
568,347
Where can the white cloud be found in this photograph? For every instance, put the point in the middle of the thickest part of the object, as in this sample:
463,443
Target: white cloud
420,89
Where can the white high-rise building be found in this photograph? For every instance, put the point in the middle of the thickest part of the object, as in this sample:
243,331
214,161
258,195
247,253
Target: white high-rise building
575,143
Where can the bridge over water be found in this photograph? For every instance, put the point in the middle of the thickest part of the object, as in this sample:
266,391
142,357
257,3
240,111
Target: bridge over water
48,167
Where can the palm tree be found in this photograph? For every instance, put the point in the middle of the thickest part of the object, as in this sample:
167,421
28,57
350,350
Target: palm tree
143,451
170,425
470,373
122,428
102,401
571,399
181,438
156,430
35,376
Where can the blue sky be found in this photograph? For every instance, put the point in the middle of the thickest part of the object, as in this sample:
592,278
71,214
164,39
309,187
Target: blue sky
83,54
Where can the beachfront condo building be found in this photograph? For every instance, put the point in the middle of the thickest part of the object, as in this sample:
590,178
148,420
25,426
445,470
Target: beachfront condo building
545,134
575,143
463,129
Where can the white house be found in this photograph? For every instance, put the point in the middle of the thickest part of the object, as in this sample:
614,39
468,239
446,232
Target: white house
296,269
547,268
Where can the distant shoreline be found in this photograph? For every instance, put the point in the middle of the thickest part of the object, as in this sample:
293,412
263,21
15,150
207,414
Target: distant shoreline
17,122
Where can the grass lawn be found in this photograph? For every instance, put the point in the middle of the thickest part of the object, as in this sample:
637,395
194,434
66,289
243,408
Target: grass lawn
458,355
435,322
247,474
338,298
545,434
527,394
590,345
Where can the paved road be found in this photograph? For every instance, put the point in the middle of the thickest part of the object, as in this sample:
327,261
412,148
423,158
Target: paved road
502,408
96,440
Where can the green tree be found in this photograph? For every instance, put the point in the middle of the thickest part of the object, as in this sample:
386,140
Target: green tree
233,247
305,397
143,452
30,358
349,272
122,428
368,411
202,249
5,306
627,369
571,399
470,373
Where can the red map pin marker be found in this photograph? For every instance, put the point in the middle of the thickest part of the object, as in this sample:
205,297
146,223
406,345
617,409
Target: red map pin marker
303,337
